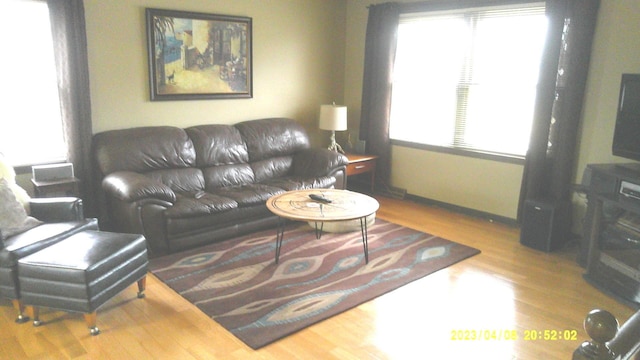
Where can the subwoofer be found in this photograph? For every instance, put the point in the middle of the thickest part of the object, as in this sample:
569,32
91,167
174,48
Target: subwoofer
545,224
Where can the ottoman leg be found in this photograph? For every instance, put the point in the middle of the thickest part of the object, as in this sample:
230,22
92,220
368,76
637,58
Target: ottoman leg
90,319
142,285
35,312
19,306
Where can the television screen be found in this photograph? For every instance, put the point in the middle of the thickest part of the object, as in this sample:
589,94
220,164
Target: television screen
626,137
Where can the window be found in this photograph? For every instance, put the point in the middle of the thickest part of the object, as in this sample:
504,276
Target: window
31,126
467,79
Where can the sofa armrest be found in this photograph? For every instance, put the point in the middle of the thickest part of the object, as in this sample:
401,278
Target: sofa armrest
318,162
130,186
56,209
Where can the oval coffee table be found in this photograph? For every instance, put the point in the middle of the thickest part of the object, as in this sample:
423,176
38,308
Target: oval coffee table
345,205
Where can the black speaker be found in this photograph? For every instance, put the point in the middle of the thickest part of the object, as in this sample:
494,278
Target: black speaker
545,224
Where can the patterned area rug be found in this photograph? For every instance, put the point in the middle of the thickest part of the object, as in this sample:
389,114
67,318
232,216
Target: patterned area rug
238,284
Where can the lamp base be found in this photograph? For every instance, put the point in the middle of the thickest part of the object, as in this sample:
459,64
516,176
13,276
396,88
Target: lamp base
334,145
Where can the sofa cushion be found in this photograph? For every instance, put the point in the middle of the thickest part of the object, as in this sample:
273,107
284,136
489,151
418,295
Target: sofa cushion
143,149
272,168
228,175
249,195
188,205
180,230
314,162
217,144
268,138
179,180
222,155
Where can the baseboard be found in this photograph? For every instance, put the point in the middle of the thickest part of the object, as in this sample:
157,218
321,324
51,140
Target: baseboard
463,210
573,242
393,192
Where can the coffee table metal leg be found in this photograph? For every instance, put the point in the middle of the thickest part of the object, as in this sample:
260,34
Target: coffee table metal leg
319,230
279,237
365,238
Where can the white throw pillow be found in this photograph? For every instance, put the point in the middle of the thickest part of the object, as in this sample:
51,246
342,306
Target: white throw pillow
13,217
7,172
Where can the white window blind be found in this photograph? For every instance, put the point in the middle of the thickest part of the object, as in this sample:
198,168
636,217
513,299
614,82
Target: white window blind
467,79
31,126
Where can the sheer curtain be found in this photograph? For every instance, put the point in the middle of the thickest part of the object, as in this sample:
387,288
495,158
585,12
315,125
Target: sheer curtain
550,161
70,51
380,49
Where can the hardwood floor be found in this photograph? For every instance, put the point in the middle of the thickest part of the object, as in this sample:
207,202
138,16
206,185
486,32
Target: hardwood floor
508,288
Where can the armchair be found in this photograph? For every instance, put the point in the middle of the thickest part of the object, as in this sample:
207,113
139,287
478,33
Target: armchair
61,218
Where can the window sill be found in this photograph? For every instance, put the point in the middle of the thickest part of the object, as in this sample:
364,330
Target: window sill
511,159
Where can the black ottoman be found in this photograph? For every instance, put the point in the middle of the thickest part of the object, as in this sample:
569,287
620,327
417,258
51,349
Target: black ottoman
82,272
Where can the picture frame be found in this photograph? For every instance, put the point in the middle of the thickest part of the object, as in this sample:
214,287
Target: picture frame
196,56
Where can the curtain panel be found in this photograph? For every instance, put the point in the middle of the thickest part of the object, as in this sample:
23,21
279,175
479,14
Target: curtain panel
380,51
550,161
70,52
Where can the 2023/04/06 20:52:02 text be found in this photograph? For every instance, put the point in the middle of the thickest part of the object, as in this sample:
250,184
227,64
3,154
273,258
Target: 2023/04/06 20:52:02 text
513,334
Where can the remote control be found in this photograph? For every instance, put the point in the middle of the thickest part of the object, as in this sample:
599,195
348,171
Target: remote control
319,198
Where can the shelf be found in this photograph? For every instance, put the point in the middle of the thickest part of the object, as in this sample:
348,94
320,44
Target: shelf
612,234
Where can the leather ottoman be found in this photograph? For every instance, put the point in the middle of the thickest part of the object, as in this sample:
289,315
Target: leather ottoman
82,272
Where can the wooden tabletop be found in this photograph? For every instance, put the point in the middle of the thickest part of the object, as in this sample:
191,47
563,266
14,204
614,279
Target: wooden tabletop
353,158
345,205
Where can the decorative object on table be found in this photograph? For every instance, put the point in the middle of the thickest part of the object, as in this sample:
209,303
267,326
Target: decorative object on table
198,56
334,118
237,284
54,180
52,172
360,147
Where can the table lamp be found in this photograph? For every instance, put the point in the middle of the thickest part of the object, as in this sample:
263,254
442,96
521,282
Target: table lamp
333,117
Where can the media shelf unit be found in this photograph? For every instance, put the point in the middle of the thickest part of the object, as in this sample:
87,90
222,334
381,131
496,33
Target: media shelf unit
611,244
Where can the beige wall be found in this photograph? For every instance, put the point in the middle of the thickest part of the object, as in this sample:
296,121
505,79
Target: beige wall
298,57
308,52
494,187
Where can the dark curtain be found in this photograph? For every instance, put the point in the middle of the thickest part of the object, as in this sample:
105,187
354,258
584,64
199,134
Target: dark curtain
380,51
70,51
550,161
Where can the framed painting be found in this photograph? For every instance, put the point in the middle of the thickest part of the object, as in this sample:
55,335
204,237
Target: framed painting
195,56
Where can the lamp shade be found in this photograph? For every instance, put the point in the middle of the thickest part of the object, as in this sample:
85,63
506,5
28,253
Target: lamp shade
333,117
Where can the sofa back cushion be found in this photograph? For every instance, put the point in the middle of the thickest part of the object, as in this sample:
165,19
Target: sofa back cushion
271,144
182,180
143,149
273,138
222,155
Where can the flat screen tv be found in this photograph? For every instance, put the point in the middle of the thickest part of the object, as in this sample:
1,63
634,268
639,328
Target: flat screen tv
626,137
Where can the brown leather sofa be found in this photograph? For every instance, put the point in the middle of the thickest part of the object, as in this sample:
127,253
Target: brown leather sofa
183,188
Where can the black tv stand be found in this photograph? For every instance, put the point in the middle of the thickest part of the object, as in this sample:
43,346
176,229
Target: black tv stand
632,167
611,243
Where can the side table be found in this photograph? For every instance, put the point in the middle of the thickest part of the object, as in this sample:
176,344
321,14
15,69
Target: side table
59,187
361,164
